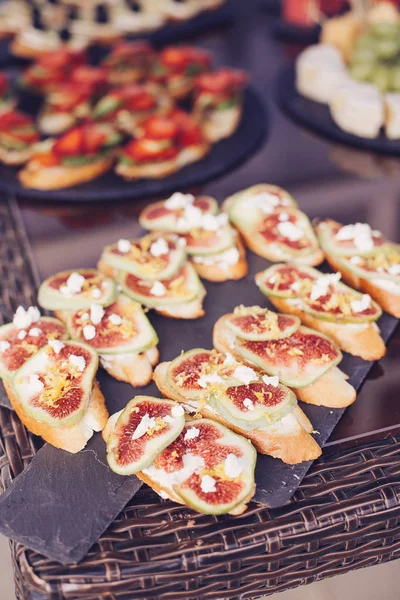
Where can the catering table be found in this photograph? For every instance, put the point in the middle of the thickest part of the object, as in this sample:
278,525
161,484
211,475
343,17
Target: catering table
346,513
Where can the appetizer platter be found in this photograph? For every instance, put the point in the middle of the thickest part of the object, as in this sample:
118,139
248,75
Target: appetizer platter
139,116
232,408
346,87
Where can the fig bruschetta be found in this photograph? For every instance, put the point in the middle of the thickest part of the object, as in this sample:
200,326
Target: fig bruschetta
365,259
80,155
218,102
272,226
17,136
129,62
198,463
177,67
129,106
65,107
154,271
305,360
327,305
214,248
56,396
258,407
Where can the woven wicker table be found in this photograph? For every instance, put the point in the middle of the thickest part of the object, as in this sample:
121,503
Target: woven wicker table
345,515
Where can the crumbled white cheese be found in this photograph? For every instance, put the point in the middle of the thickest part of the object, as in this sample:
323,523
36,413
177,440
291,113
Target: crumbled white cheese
265,201
158,289
283,216
360,233
191,218
394,269
191,464
35,332
245,374
85,316
73,285
358,306
213,222
163,494
205,380
78,361
290,231
4,345
35,383
355,260
232,466
24,318
179,200
115,319
182,242
229,359
96,293
274,380
89,332
249,404
56,346
191,434
159,247
22,334
168,419
207,484
272,280
96,313
321,285
145,424
295,286
177,411
124,246
223,260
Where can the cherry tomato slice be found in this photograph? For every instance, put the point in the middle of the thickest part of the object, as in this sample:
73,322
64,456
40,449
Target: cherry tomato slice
160,128
220,82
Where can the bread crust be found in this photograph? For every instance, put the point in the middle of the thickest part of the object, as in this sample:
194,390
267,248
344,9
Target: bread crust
147,171
388,301
14,157
58,177
291,448
331,389
136,369
216,274
365,342
74,438
192,154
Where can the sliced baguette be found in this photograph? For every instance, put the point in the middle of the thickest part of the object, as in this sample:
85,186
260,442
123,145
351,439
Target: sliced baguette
231,272
74,438
54,178
14,157
387,300
292,448
192,154
362,340
331,390
156,170
136,369
220,124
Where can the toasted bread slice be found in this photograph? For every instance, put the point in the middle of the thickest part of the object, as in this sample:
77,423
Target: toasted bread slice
216,272
313,259
156,170
192,154
331,389
54,178
74,438
136,369
220,124
387,300
292,447
362,339
14,157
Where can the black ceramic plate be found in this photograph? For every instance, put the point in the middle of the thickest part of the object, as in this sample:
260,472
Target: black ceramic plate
65,514
317,118
225,156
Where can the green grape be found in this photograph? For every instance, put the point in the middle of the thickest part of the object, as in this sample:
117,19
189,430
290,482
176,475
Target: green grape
365,41
363,55
362,71
385,31
386,49
382,78
395,78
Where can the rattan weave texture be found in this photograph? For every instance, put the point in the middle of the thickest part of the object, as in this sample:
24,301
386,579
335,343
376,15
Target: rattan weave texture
345,515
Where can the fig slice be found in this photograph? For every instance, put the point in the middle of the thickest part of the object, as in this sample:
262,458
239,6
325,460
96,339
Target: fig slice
55,385
123,328
208,467
141,431
256,201
383,264
256,405
298,360
152,257
258,324
185,371
182,288
334,301
18,345
76,289
205,242
349,240
166,215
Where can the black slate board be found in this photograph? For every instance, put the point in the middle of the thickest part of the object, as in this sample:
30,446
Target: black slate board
225,156
61,530
317,118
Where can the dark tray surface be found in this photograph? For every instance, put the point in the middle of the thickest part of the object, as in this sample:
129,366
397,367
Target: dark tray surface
316,117
225,156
